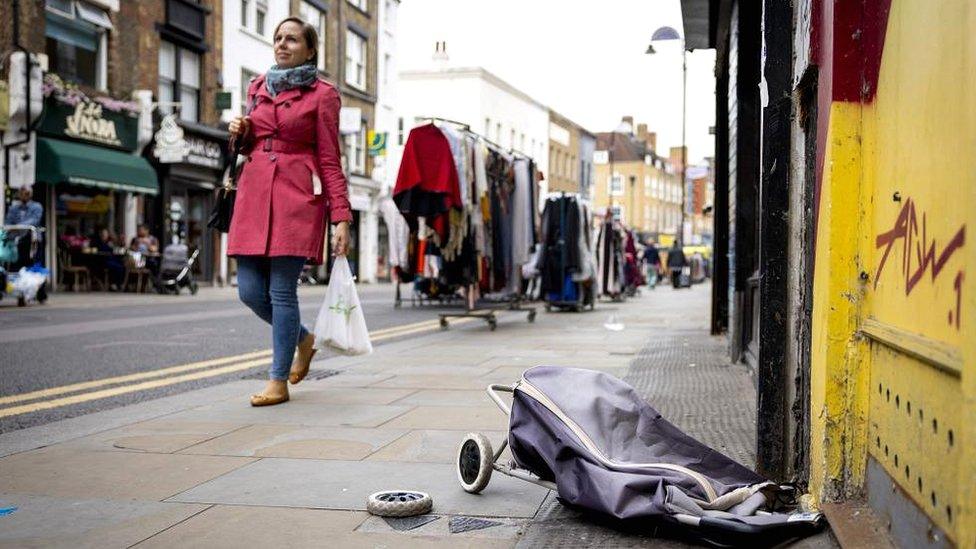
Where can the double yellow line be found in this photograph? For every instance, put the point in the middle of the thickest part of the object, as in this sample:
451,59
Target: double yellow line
169,376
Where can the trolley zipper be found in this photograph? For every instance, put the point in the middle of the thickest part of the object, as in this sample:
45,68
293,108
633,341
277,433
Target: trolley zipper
541,398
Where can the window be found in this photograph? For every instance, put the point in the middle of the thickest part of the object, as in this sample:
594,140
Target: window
355,60
315,17
179,80
617,212
245,12
246,77
498,132
487,126
387,61
260,17
511,139
76,42
361,4
400,131
647,185
616,184
355,150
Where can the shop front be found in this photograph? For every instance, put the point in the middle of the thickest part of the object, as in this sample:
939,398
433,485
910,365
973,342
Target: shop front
190,161
89,179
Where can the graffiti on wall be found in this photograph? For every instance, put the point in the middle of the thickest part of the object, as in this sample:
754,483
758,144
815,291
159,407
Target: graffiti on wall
921,254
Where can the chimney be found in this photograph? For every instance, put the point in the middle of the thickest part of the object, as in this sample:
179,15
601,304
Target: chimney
675,157
647,137
440,51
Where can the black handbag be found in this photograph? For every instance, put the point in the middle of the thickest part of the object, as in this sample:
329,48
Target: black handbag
223,209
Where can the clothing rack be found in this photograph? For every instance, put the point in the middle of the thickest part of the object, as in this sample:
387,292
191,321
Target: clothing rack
467,129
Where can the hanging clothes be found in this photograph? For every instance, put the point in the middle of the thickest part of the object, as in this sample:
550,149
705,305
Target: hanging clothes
610,259
427,183
398,232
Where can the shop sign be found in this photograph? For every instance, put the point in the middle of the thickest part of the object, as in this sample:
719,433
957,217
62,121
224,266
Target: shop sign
90,122
222,100
169,145
377,143
204,153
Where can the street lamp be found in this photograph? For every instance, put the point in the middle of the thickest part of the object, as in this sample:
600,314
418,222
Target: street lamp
662,34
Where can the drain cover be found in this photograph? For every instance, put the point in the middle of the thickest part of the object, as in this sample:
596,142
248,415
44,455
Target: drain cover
402,524
467,524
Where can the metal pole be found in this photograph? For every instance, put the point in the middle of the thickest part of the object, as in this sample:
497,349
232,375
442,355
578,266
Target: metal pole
684,148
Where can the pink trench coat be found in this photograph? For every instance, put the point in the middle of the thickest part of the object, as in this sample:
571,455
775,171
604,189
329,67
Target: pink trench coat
292,180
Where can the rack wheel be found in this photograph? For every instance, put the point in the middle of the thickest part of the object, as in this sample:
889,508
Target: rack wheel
443,323
492,324
474,462
532,316
548,308
21,301
194,288
399,503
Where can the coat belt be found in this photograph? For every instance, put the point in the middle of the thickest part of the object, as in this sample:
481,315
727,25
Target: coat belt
271,144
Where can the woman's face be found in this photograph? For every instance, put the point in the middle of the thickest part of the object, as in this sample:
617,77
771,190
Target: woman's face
290,48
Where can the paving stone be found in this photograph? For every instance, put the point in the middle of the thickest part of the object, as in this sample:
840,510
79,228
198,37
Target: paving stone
446,397
79,523
429,381
110,475
349,395
452,418
294,441
162,436
352,378
429,446
346,485
431,370
296,412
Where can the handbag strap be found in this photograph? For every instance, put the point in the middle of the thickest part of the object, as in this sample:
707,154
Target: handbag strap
235,150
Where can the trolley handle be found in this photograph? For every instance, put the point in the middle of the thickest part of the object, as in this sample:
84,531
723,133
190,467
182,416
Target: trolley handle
493,390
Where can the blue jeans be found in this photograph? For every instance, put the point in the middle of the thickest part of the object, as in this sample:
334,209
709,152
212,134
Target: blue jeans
269,287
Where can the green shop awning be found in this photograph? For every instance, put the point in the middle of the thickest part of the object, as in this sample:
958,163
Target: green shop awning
79,164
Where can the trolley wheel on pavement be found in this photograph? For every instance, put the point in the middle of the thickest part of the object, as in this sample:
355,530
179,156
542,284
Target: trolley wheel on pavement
548,308
474,462
21,301
492,324
194,288
444,324
532,316
399,503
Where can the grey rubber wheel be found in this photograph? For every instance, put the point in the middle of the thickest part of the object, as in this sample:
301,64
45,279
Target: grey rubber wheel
474,462
399,503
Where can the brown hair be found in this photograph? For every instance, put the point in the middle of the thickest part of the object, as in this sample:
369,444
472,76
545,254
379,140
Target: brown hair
309,33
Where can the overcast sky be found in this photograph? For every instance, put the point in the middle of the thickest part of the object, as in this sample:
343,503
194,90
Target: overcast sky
586,60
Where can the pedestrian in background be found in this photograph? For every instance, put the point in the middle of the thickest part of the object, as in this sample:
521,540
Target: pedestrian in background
652,263
676,263
290,136
25,211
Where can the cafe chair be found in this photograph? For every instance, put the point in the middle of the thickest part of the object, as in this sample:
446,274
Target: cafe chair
80,276
135,268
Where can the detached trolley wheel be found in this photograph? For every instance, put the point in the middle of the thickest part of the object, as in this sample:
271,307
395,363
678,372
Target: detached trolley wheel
474,462
399,503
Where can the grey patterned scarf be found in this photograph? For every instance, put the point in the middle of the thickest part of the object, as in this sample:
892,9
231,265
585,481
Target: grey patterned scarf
278,80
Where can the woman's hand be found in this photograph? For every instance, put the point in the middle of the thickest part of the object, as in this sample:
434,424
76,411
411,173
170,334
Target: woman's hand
239,126
340,238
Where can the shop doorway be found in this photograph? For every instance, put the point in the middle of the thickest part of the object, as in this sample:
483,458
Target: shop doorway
186,219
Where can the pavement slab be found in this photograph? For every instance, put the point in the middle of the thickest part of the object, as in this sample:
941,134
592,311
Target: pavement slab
160,436
295,441
42,521
452,418
298,411
350,395
346,485
353,378
446,397
430,381
430,446
504,529
110,475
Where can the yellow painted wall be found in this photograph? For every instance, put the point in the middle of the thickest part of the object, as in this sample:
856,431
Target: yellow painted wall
893,358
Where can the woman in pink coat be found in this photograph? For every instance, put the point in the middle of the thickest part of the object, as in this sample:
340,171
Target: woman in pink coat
290,185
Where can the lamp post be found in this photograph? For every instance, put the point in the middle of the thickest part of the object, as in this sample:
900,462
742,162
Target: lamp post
662,34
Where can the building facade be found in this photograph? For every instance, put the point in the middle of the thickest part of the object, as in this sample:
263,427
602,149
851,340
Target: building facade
564,146
587,147
387,127
846,282
641,188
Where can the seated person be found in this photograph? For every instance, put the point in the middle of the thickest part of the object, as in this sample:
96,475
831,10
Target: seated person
148,245
105,242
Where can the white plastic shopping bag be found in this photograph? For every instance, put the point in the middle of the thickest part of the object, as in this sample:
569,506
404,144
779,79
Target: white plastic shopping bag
341,325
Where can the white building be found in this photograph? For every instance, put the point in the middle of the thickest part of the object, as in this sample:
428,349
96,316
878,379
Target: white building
474,96
248,50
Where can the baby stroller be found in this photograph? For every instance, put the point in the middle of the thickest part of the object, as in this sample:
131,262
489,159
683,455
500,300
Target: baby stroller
592,439
21,274
176,270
